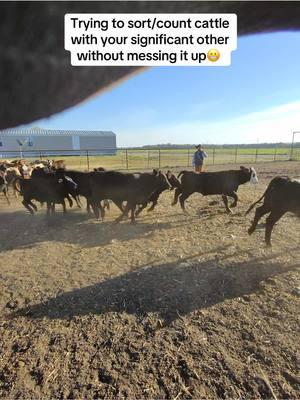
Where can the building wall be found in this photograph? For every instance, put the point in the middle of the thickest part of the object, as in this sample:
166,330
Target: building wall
9,143
97,144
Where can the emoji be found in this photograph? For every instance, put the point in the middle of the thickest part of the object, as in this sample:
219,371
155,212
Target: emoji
213,55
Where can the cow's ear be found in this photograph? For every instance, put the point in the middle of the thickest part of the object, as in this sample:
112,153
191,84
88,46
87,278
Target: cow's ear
242,167
155,171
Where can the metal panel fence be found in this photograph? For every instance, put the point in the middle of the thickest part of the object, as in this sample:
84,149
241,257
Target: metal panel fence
139,159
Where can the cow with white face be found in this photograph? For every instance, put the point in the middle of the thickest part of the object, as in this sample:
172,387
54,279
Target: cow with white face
225,183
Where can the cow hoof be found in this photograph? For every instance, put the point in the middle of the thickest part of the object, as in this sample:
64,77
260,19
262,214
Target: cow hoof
268,244
229,211
250,231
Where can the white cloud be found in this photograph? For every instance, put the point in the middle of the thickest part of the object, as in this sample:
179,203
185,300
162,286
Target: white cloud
274,124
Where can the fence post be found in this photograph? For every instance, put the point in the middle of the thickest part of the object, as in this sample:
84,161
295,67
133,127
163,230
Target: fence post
126,155
188,163
275,151
214,155
256,151
235,156
88,160
159,158
148,156
40,155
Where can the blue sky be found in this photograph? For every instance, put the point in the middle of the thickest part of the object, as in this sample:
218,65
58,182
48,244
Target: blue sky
256,99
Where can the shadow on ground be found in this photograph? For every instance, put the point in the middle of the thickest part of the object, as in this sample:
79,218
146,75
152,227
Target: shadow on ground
168,289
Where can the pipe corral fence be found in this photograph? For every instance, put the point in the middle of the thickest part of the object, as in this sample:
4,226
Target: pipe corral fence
139,159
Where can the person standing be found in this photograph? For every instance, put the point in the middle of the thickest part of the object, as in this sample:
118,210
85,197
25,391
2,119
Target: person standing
198,158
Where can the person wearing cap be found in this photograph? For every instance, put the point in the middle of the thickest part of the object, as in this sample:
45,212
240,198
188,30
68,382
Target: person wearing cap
198,158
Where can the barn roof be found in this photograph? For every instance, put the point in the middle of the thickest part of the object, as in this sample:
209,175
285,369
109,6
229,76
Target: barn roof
54,132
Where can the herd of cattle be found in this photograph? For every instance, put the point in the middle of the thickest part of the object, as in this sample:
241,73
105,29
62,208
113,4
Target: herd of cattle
51,183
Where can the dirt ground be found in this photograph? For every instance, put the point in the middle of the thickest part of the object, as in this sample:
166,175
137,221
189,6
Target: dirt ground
176,306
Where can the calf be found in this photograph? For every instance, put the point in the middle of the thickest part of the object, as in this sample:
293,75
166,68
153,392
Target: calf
52,189
11,175
225,183
117,186
281,196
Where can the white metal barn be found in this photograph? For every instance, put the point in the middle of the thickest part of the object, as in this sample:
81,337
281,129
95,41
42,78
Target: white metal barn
35,141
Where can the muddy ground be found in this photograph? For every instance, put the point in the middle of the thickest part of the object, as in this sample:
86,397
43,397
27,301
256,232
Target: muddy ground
174,307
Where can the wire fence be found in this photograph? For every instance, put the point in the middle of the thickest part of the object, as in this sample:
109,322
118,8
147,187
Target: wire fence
138,159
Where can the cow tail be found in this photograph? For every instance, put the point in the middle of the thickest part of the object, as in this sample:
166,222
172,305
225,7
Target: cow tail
259,200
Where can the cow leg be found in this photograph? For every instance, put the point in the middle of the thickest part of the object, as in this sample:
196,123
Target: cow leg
133,207
95,209
25,204
270,222
63,203
49,208
176,195
77,200
106,204
33,205
182,199
235,199
102,211
225,200
124,212
259,212
88,206
6,196
154,204
69,200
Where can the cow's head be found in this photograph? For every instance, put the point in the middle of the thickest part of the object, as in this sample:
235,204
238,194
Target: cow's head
70,185
163,182
173,181
251,174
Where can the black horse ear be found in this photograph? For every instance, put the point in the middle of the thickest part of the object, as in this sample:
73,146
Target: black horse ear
155,171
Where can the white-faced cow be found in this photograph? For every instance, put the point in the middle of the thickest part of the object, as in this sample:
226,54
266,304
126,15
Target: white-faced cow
225,183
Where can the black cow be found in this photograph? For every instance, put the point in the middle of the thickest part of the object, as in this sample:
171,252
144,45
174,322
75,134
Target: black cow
225,183
173,182
3,187
83,185
46,171
281,196
119,187
52,189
